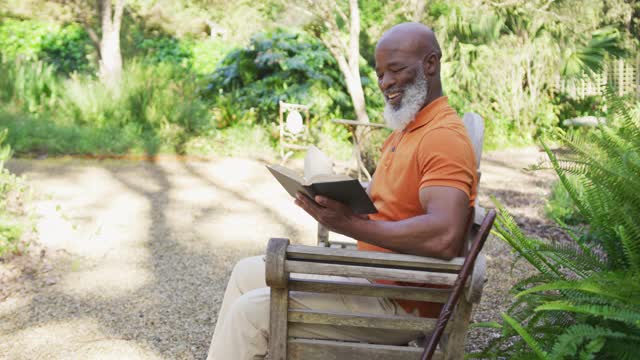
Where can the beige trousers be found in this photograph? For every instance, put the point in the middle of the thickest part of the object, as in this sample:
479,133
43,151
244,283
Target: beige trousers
242,328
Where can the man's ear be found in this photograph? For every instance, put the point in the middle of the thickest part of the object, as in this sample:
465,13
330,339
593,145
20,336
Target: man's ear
430,64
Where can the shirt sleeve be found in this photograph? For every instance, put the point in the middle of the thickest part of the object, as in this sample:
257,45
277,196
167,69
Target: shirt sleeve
445,158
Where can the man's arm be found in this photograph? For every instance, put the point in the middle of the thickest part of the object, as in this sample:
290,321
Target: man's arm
439,232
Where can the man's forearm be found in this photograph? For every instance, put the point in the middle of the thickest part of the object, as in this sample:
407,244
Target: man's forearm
424,235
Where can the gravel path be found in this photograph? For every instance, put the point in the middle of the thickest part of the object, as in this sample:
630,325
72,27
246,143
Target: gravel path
134,256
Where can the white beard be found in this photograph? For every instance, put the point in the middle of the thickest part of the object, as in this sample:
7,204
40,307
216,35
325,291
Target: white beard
412,101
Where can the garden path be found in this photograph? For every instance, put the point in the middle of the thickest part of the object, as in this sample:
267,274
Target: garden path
133,257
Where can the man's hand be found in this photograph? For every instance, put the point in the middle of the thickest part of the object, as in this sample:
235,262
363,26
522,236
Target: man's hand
334,215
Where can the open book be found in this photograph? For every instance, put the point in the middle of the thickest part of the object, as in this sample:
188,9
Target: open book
319,179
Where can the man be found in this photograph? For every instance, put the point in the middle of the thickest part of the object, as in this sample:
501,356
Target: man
423,188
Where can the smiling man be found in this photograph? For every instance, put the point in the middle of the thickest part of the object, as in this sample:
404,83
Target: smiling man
424,189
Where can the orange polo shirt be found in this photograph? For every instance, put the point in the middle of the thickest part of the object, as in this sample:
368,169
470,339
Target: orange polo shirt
433,150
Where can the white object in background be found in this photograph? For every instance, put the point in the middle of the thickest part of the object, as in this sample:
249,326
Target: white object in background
294,122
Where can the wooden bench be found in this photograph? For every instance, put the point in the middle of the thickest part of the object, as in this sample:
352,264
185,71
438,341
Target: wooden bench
283,259
339,259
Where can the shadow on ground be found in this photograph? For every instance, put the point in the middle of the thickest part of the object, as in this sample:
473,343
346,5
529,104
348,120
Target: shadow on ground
143,272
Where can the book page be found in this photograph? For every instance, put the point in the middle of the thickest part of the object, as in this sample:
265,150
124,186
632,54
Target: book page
323,178
316,163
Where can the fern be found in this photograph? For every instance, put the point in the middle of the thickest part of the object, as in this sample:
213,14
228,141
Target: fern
569,342
606,312
584,300
528,338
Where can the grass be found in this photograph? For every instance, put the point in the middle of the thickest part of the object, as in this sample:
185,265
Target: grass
30,135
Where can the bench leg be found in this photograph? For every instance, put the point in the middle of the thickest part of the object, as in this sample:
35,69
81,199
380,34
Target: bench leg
278,324
323,236
454,345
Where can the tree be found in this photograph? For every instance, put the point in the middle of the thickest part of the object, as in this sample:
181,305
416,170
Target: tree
110,55
340,33
107,15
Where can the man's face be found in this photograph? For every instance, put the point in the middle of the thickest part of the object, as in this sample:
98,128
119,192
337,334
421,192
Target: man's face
396,71
402,80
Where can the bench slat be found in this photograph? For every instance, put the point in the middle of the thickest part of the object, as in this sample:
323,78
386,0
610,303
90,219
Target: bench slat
304,267
375,290
382,259
389,322
308,349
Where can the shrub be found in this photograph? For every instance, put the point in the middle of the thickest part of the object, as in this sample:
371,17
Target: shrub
166,49
560,207
281,66
14,217
583,301
66,48
160,105
30,86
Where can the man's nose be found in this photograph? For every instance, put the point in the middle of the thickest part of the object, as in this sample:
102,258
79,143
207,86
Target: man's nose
387,82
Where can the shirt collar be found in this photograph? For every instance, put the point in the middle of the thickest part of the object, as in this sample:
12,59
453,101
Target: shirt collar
428,113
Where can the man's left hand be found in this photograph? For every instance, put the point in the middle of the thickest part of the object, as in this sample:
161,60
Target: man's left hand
336,216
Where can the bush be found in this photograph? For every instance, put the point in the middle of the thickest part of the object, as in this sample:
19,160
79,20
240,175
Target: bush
168,50
583,300
46,135
560,207
30,86
14,217
159,104
280,66
66,48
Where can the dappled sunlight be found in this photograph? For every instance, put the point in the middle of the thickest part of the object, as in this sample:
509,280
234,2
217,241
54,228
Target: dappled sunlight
237,228
65,339
114,280
12,305
91,225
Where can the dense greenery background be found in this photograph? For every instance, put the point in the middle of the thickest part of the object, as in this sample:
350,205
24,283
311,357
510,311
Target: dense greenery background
185,85
206,77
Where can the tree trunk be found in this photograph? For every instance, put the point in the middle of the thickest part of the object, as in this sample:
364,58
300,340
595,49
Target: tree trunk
346,53
354,84
416,10
110,55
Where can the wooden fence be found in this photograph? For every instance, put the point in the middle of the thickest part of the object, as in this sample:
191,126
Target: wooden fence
622,75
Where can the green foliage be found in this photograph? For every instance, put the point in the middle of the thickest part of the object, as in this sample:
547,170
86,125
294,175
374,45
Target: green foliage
14,219
584,300
167,50
30,86
280,66
47,135
560,207
158,104
503,61
66,48
590,56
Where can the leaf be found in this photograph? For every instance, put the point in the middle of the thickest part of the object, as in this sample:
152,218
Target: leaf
533,344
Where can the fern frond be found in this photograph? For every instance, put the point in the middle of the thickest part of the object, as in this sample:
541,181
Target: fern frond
620,287
604,311
507,230
541,354
568,343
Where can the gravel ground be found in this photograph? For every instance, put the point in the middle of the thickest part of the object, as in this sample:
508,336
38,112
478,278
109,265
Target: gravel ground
133,257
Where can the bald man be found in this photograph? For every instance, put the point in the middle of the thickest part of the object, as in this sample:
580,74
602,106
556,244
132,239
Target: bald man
423,188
